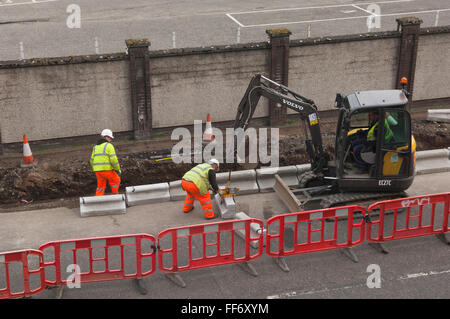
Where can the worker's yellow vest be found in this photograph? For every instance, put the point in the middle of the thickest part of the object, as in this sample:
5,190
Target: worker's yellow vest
199,176
103,158
388,132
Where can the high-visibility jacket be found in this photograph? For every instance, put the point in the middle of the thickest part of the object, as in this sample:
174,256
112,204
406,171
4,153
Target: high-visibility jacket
371,135
103,158
199,176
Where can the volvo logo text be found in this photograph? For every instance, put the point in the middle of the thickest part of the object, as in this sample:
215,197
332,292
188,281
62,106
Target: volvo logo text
298,107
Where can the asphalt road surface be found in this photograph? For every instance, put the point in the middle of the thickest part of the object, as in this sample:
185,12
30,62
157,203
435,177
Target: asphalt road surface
414,268
49,28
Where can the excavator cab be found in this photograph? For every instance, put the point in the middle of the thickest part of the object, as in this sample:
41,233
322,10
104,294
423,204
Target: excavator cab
374,148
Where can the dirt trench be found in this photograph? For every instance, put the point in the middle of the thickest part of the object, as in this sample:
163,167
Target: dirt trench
68,175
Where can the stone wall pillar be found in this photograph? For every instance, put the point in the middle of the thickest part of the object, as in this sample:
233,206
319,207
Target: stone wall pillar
279,69
410,29
140,87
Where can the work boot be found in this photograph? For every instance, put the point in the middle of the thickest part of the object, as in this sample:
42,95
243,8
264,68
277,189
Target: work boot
209,215
186,212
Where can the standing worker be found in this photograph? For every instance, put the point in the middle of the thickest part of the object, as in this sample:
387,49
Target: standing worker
105,164
197,183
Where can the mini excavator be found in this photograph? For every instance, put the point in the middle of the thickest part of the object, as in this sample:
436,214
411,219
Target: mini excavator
390,166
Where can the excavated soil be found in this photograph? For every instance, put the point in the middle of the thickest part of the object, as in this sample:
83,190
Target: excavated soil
64,175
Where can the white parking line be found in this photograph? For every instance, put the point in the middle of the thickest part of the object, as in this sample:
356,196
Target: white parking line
321,7
311,292
424,274
300,22
235,20
357,7
11,3
338,19
354,5
414,12
304,293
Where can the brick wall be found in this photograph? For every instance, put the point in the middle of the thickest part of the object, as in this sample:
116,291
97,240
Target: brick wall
433,64
47,102
79,96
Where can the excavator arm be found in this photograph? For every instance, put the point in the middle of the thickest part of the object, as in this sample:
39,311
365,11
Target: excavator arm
284,96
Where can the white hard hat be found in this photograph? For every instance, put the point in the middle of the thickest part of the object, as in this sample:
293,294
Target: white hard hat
107,132
214,161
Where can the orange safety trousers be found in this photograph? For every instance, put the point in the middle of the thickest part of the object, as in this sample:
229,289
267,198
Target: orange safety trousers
193,193
107,176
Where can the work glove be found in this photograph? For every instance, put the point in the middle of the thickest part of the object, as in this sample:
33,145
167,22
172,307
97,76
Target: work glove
119,172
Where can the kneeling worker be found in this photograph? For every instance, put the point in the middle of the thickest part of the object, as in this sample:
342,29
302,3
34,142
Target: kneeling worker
197,183
105,164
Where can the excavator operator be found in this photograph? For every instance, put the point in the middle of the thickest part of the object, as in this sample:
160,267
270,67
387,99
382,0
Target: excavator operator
364,147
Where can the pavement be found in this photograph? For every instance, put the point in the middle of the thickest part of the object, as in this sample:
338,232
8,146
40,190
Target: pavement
44,28
414,268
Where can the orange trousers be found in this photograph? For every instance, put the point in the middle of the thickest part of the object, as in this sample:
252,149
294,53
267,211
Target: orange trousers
107,176
193,193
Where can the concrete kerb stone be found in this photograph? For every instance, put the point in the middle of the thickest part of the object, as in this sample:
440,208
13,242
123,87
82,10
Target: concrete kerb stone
302,168
433,161
262,180
255,230
265,177
439,115
147,194
438,153
244,180
226,206
249,181
176,191
102,205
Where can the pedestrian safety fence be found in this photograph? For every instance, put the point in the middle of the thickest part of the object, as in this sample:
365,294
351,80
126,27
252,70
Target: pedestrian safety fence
304,244
417,222
217,241
26,273
97,260
316,230
29,263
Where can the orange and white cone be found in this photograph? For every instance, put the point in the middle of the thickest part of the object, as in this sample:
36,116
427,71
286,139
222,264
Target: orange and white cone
28,160
208,135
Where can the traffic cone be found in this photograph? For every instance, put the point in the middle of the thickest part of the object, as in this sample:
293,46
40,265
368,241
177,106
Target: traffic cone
28,160
208,134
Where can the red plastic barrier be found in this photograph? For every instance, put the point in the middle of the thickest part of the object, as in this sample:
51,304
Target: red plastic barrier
408,230
69,249
211,253
6,259
330,217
